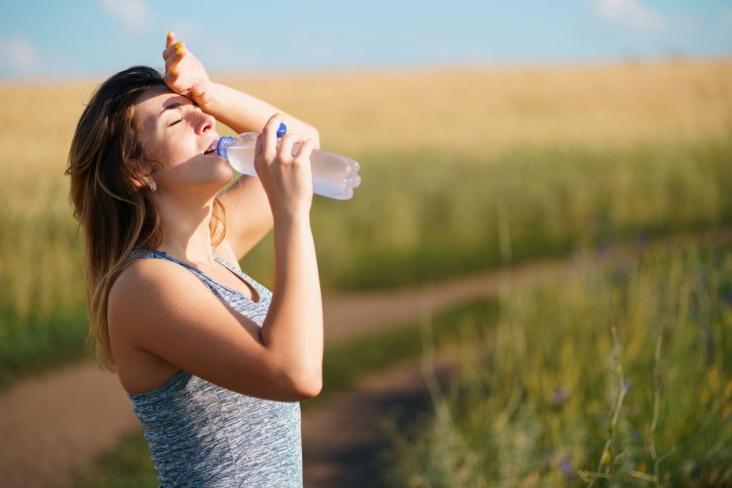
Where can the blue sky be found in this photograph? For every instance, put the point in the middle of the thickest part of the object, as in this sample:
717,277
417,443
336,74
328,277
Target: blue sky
53,39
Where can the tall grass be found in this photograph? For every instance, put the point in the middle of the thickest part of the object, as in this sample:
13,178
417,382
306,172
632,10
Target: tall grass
427,216
42,314
570,157
617,376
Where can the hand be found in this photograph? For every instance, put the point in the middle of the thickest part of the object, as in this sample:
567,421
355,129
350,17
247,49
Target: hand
184,73
286,177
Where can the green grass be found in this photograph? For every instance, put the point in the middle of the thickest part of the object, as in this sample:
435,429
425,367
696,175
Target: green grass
40,344
127,466
418,217
424,217
618,376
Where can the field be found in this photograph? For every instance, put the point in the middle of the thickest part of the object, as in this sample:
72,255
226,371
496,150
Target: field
566,158
466,171
618,376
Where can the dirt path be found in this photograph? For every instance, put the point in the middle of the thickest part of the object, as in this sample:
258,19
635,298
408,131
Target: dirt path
53,426
345,438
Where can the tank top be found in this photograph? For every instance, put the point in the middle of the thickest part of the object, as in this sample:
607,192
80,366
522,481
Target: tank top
201,434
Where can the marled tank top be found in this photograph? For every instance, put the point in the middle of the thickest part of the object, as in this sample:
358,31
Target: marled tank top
201,434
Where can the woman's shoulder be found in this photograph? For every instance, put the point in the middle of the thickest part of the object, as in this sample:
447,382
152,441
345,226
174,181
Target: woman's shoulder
150,278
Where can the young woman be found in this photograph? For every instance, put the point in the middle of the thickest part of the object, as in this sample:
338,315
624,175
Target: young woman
213,362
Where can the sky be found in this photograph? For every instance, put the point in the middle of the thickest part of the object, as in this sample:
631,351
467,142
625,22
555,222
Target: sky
54,39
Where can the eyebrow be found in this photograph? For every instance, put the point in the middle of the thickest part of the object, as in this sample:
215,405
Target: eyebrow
172,106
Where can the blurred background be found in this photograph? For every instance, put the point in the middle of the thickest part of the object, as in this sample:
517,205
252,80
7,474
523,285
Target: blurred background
492,136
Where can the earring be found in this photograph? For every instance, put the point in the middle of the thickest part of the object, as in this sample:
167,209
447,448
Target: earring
153,186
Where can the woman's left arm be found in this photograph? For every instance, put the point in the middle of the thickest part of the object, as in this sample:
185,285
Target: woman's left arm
248,214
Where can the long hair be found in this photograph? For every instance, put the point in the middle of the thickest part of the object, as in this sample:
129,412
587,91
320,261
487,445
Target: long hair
108,166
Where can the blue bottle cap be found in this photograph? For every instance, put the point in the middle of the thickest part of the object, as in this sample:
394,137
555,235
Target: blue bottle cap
282,130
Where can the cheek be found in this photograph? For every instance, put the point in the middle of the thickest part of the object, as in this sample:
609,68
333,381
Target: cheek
164,153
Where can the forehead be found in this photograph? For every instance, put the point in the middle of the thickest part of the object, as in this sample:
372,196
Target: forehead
150,104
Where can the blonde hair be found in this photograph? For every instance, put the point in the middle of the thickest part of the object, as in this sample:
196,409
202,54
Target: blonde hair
109,169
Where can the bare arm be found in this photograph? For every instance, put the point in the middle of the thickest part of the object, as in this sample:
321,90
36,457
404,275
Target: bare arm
248,217
161,309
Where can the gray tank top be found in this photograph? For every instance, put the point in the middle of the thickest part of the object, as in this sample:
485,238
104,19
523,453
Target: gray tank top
201,434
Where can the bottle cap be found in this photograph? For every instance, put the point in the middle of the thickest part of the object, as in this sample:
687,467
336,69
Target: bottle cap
282,130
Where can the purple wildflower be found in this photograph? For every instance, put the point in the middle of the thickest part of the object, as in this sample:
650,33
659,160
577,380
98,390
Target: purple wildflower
559,396
565,466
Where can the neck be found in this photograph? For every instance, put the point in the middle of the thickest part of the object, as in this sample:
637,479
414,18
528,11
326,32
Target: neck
185,229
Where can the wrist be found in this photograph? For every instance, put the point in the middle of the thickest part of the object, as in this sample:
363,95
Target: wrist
293,218
209,100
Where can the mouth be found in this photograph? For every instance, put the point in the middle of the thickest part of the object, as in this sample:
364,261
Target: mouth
211,149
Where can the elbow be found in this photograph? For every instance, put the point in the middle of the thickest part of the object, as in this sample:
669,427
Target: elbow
309,390
304,385
308,386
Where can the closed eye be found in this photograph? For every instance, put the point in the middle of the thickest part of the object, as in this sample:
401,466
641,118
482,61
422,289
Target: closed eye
176,122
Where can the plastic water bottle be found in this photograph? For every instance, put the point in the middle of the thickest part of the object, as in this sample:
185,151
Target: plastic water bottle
334,176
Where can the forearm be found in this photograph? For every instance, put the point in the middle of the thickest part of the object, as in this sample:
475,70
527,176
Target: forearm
293,330
245,113
248,216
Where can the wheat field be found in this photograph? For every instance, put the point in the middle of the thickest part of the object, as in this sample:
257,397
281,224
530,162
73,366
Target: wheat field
613,105
561,154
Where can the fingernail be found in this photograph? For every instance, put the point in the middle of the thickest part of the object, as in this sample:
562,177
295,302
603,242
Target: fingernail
170,33
179,51
179,45
280,112
174,71
197,94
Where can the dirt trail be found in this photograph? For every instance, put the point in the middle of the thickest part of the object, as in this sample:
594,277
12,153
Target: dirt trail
344,439
53,426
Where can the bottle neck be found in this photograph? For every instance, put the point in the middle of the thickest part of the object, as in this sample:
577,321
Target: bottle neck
223,145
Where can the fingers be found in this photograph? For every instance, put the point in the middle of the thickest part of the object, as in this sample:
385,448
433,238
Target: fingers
171,75
306,148
200,94
285,175
173,55
171,45
296,147
269,135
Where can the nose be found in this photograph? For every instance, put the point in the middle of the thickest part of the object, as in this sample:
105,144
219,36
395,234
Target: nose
203,122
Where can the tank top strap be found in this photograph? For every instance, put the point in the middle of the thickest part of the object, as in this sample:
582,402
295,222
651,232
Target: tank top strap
228,295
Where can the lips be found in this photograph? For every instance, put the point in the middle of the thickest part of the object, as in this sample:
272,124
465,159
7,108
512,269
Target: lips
211,149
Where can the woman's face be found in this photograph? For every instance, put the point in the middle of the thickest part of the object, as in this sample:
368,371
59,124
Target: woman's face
178,136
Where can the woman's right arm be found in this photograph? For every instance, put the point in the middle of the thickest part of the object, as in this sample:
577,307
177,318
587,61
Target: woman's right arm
159,308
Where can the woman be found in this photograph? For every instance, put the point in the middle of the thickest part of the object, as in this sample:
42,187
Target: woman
213,362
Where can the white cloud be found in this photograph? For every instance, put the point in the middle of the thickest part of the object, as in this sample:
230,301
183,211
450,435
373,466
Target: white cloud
630,13
19,53
133,15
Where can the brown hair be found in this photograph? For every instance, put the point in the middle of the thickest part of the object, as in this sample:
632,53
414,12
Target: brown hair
108,167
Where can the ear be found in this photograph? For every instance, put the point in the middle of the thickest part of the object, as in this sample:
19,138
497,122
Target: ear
141,177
